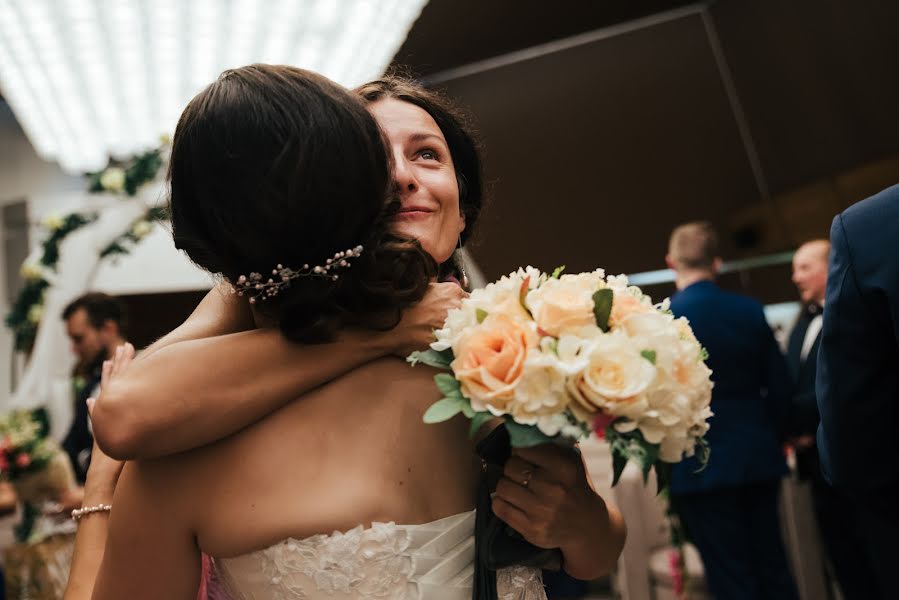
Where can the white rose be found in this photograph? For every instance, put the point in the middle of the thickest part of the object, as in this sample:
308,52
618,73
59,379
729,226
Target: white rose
500,297
614,378
52,222
113,179
31,271
541,389
35,313
560,424
141,228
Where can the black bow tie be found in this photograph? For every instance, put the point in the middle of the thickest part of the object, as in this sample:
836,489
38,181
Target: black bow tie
813,309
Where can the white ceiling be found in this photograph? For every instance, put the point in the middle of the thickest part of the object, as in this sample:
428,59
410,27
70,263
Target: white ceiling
90,79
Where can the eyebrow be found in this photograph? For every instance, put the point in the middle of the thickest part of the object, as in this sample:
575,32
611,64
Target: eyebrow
420,137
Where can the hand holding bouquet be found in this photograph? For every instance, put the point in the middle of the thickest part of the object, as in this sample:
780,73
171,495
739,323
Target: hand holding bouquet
559,357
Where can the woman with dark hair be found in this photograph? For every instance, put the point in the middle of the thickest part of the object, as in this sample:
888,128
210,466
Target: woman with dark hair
168,400
278,182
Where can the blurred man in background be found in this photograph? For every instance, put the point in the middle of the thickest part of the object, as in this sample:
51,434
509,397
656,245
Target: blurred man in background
730,508
95,323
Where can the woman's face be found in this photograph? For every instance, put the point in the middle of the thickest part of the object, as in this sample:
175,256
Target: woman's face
424,175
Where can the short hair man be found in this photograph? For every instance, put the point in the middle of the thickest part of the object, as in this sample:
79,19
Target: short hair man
95,324
730,509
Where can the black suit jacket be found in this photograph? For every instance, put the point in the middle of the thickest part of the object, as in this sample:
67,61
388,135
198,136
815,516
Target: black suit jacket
804,416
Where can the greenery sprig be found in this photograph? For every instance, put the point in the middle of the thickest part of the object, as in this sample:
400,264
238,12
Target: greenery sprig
120,178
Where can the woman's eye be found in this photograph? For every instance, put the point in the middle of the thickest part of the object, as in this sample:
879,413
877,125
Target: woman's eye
428,154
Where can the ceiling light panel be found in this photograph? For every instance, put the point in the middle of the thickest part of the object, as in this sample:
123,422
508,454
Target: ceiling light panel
93,79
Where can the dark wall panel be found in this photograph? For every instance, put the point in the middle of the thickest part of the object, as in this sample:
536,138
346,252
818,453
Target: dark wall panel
819,80
596,152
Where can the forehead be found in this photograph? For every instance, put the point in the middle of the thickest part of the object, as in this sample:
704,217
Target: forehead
402,119
78,320
810,253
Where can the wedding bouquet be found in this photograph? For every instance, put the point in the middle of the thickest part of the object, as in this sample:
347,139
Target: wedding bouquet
560,357
30,460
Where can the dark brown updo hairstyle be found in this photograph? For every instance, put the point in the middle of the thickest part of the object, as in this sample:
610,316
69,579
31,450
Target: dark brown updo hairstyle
276,165
455,128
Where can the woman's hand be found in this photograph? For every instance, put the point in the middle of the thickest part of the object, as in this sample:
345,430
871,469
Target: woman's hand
546,496
416,329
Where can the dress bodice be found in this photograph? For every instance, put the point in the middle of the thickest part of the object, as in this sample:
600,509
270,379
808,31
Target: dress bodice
432,561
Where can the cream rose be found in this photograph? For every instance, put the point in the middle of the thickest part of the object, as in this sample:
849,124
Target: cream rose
489,361
141,228
31,271
113,179
563,306
615,377
52,222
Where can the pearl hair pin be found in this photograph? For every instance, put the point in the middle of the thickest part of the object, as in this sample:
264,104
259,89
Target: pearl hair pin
257,287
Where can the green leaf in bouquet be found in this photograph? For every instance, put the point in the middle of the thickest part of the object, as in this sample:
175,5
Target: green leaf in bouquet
558,272
433,358
619,461
649,355
444,410
468,411
525,436
477,421
703,453
663,477
703,354
481,314
448,385
602,307
648,458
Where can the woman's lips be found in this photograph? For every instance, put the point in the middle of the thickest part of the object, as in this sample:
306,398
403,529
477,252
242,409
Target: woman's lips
413,213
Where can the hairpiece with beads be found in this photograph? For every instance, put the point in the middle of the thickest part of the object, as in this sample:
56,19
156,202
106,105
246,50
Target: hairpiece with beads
260,287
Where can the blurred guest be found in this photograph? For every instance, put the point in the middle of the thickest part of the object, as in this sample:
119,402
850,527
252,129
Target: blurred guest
95,323
836,516
858,375
730,509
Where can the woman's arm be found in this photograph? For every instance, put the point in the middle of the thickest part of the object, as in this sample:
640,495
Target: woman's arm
196,385
151,551
142,550
546,495
98,490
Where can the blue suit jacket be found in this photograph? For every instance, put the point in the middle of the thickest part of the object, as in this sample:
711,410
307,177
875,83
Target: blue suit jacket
858,362
752,390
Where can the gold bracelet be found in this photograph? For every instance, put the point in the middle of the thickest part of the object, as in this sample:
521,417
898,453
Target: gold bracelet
80,512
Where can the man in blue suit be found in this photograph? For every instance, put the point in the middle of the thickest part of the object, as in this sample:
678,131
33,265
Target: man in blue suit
858,374
730,509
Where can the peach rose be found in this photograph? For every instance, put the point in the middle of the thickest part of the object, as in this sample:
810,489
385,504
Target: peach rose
490,361
563,306
624,305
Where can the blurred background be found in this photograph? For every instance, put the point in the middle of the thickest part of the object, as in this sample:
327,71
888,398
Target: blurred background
604,124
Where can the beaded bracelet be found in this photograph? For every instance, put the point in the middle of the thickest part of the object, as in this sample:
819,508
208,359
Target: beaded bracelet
80,512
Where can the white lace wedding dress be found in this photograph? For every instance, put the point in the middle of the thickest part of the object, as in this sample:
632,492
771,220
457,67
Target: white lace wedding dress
433,561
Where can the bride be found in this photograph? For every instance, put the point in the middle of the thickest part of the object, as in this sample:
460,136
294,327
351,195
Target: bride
296,474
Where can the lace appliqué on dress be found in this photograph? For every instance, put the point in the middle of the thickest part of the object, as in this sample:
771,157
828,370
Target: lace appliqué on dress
520,583
367,563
